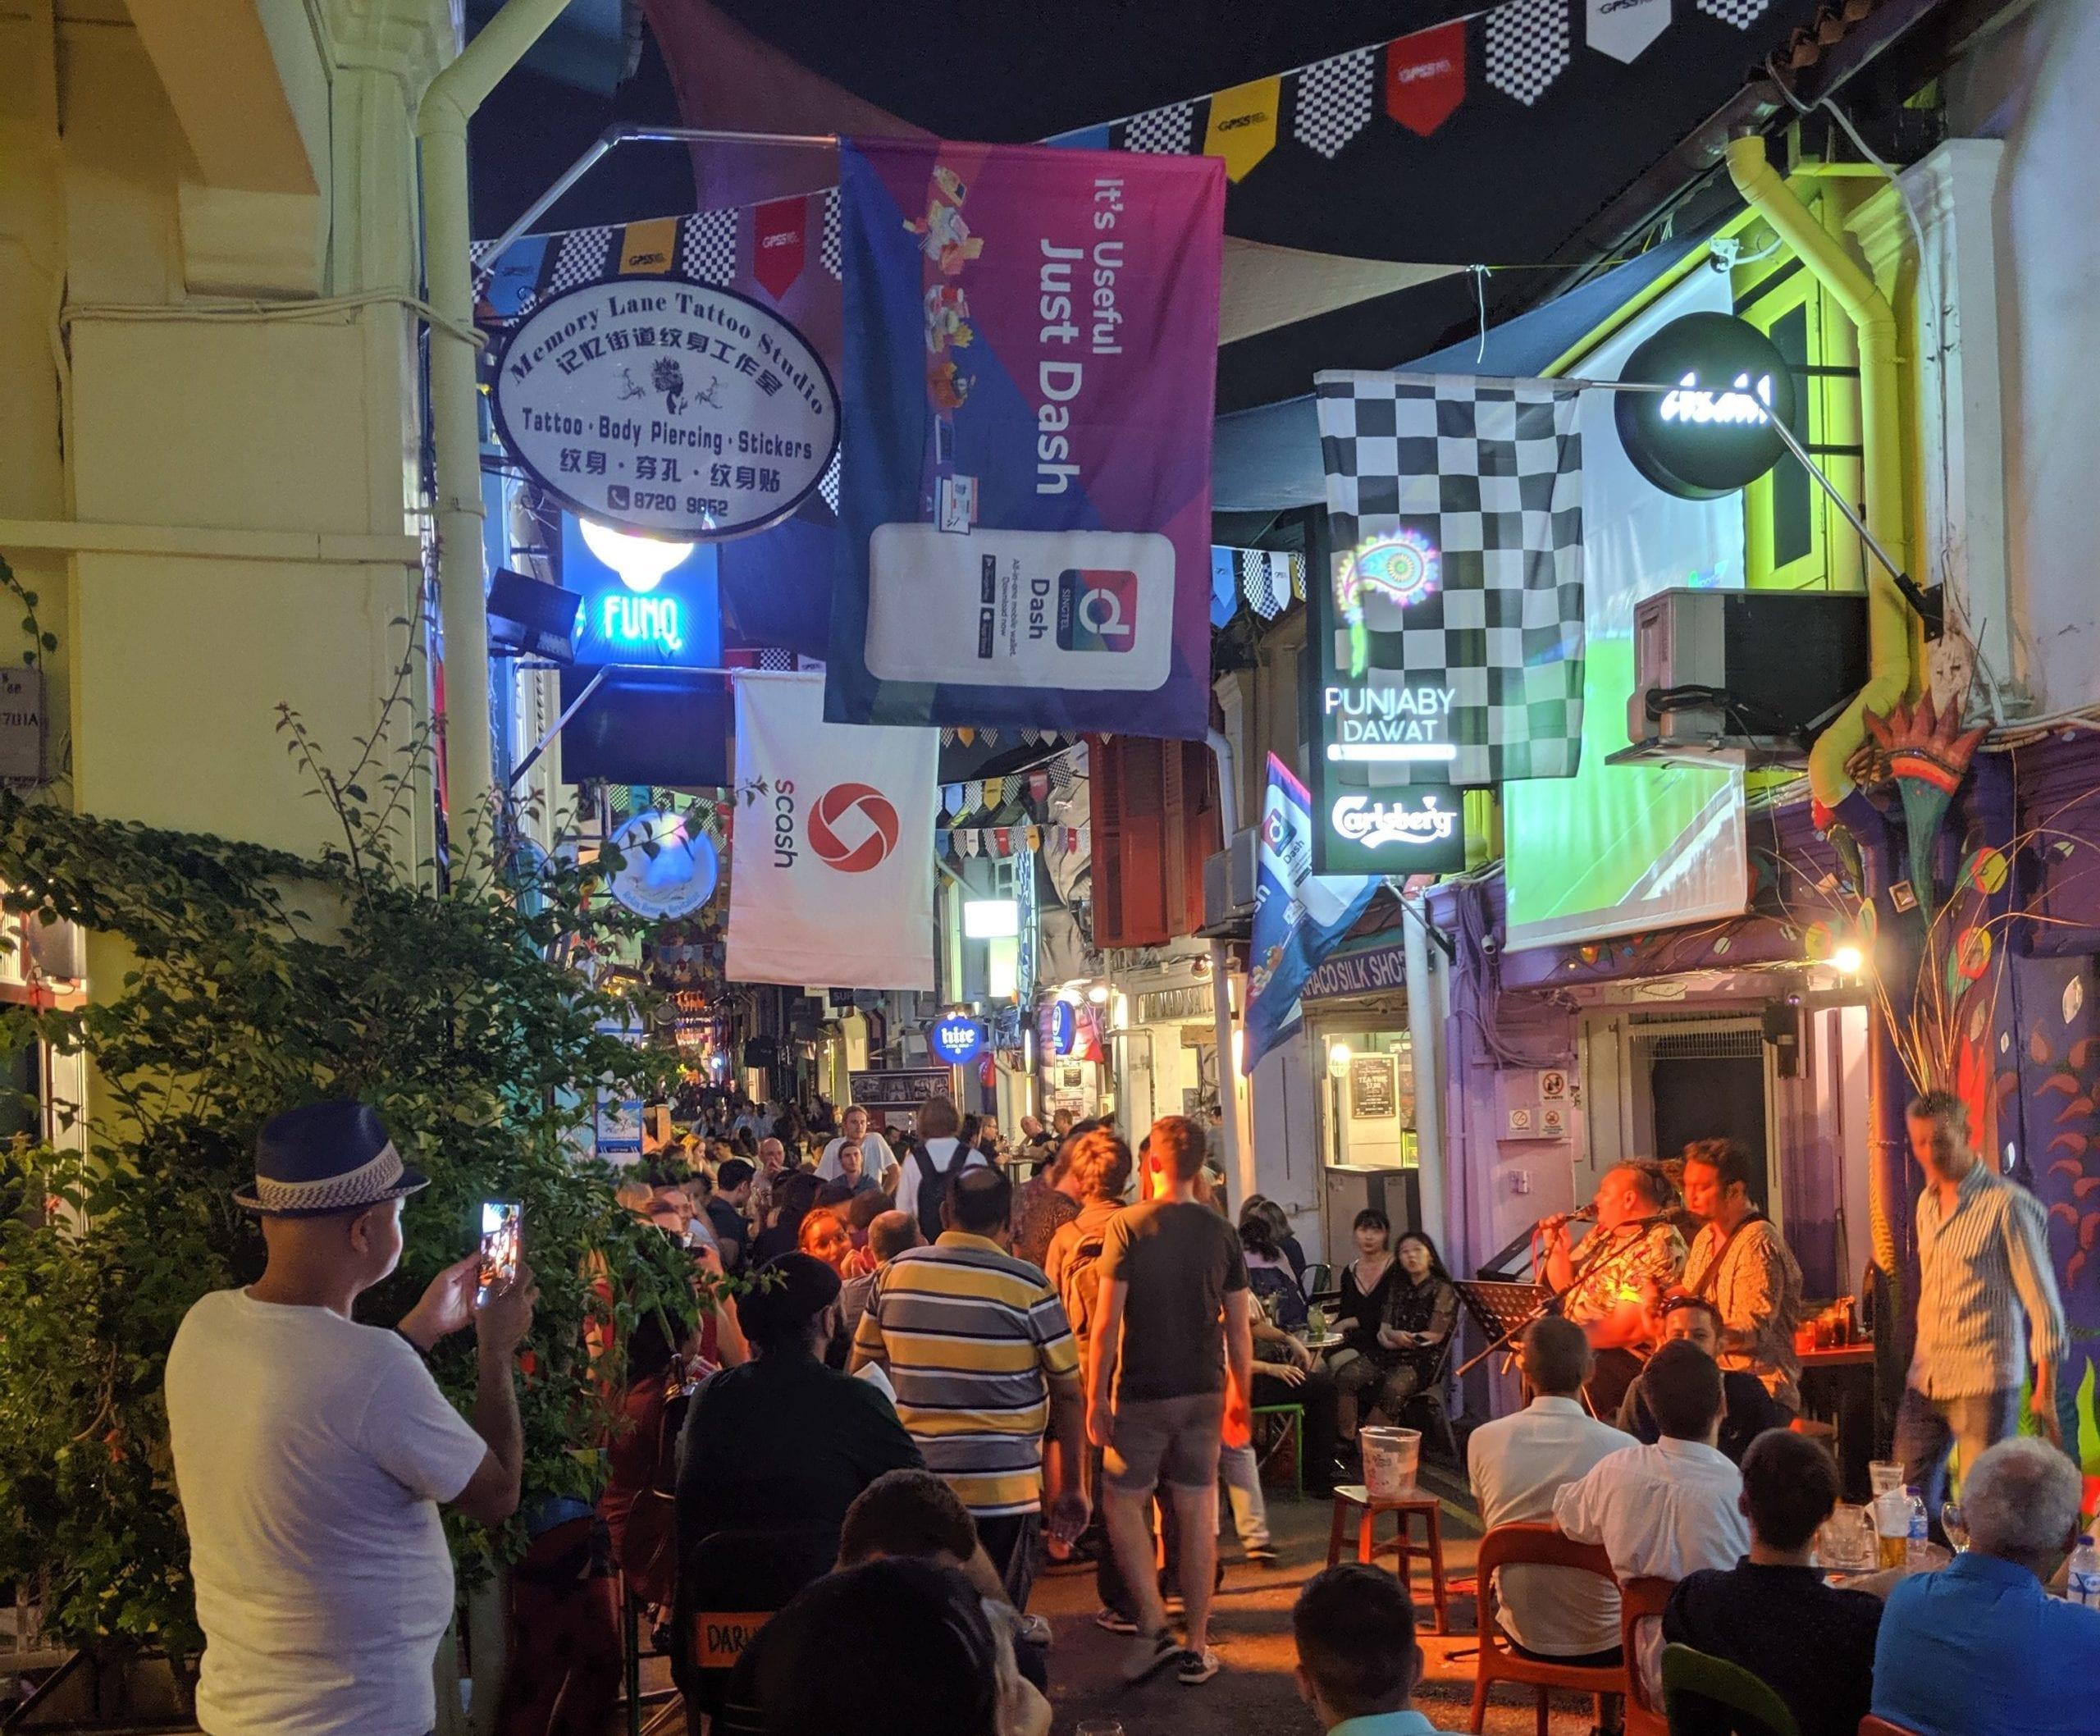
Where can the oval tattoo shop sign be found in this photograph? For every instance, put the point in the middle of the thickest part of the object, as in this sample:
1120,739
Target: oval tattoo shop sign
666,408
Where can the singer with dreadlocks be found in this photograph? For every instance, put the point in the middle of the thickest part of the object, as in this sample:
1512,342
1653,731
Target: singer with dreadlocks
1611,1286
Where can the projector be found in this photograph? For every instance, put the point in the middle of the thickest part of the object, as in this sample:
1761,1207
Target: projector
1747,678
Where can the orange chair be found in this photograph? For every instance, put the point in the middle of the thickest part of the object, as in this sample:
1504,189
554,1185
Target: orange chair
1533,1545
1639,1598
1871,1725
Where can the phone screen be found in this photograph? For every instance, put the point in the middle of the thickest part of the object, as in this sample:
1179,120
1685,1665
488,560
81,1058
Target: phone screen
501,1220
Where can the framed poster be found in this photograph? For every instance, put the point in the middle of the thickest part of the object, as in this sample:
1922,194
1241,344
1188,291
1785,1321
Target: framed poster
1372,1094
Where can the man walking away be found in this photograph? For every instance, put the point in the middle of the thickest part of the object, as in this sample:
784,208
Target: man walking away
1358,1658
1173,1309
933,1164
1987,1302
311,1453
1518,1464
976,1345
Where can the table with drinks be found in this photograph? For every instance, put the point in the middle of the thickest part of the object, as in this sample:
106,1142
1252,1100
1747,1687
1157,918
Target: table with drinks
1838,1386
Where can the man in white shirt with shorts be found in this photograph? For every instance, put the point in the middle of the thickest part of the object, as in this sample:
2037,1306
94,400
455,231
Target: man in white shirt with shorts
311,1452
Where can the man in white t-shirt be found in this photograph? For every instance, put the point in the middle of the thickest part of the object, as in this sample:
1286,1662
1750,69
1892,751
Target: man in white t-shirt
311,1453
1518,1466
939,1122
877,1159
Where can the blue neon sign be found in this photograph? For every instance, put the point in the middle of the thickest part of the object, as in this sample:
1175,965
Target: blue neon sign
955,1039
670,618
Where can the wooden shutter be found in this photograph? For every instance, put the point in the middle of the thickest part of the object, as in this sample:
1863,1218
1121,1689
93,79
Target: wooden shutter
1129,879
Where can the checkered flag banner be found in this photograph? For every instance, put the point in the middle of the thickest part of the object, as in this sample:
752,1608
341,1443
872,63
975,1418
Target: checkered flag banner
1335,100
1742,14
1456,508
1527,47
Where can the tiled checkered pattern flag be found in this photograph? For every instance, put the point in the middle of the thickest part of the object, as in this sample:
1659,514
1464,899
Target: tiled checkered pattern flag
1163,132
1527,47
1334,99
831,258
1742,14
707,246
585,257
1456,504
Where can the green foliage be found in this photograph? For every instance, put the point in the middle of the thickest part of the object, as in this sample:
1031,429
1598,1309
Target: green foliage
466,1014
33,630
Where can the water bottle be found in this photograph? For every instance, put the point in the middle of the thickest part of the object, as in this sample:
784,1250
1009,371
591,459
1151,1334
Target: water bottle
2084,1579
1916,1547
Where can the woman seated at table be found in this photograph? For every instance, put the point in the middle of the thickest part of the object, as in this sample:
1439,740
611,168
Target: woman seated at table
1420,1314
1360,1360
1269,1275
1286,1372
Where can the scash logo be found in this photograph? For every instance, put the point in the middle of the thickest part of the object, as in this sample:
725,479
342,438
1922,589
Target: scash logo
1427,69
853,846
1372,823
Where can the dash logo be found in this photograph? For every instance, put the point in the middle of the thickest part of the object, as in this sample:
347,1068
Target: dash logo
1096,608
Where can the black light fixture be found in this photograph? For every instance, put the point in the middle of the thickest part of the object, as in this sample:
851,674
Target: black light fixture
529,618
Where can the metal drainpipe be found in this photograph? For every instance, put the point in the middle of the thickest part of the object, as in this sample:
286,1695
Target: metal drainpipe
1228,1074
1888,664
448,105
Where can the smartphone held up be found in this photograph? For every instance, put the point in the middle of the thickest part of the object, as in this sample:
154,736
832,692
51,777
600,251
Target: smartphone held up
502,1223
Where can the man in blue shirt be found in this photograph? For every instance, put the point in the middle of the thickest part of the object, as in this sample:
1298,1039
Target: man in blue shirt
1979,1648
1358,1657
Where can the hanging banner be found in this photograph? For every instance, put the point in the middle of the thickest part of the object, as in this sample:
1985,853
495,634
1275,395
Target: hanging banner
1426,77
1448,623
833,871
1243,126
1298,917
1031,342
1623,28
780,234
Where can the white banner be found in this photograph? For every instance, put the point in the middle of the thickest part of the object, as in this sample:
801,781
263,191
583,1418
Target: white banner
832,872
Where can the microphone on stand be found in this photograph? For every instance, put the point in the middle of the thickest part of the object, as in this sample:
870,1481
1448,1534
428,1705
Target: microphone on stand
1585,1214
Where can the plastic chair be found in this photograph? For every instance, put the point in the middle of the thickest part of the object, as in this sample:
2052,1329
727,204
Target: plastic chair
1316,1280
1709,1696
1293,1431
1534,1545
1640,1600
1428,1399
733,1584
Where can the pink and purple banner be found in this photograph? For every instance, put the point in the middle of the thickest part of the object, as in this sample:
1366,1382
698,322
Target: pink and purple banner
1030,340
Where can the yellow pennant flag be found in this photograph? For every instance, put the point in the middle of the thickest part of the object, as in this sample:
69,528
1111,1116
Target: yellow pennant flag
649,247
1243,129
995,793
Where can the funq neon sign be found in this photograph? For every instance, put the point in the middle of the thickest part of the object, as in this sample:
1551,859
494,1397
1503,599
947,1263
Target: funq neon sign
627,619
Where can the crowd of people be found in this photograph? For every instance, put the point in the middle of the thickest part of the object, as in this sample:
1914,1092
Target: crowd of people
915,1372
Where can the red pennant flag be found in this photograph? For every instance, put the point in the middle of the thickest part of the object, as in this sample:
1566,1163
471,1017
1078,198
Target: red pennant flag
1426,77
780,237
1003,838
1038,785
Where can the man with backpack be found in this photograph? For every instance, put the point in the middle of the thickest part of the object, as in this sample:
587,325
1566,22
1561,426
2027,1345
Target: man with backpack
931,1163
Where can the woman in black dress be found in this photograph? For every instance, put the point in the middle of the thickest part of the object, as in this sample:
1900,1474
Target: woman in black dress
1422,1311
1360,1361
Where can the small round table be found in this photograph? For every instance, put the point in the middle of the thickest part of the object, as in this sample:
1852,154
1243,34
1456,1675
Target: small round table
1354,1497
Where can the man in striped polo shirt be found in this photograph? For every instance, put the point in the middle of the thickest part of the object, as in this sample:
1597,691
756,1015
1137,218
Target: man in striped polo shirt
1987,1302
976,1345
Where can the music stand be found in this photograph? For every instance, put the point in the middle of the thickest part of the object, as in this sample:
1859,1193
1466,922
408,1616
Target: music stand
1502,1311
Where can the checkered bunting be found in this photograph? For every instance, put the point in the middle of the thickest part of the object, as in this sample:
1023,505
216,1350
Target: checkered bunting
1527,47
775,657
1334,99
1167,132
827,483
1265,582
707,246
1742,14
1489,473
832,257
586,256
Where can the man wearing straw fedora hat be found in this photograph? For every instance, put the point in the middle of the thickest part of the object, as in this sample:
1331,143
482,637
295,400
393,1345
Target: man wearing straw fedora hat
311,1452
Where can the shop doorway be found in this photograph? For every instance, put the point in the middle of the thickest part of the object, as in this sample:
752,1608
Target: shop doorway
1369,1150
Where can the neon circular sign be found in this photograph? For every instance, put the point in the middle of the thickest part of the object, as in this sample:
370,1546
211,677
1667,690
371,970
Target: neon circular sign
1711,432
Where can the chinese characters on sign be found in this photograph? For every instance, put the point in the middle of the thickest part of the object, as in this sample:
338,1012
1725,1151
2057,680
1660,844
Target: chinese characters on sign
666,408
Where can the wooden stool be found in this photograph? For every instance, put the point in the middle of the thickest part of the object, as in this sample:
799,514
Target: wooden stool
1356,1495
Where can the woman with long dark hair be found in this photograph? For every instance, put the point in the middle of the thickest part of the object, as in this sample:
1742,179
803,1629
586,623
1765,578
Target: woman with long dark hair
1360,1362
1422,1311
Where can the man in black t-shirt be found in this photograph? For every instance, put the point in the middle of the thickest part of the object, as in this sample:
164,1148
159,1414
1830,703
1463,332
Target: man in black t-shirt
1173,1309
1813,1645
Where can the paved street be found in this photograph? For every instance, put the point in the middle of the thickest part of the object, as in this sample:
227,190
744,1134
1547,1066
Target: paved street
1255,1695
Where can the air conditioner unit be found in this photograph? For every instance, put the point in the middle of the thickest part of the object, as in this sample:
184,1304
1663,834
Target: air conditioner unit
1747,678
1229,882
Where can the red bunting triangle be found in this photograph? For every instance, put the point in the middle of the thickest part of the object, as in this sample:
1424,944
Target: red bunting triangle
1426,77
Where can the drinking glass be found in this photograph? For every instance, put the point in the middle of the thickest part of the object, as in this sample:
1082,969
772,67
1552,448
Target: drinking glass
1954,1524
1882,1477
